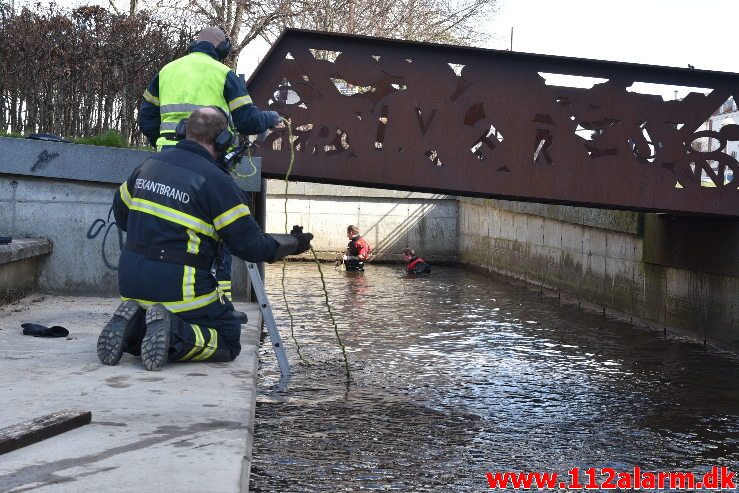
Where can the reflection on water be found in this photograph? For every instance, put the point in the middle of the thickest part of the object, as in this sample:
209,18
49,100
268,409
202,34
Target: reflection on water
457,374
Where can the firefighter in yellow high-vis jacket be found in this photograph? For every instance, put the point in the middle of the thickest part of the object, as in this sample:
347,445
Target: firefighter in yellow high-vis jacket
193,81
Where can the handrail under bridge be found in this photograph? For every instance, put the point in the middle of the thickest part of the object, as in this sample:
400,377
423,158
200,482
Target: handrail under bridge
486,123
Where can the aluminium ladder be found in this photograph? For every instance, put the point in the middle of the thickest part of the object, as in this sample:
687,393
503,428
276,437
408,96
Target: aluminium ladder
269,319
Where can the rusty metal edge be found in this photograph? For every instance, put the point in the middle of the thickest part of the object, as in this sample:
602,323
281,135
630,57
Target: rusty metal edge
659,71
516,198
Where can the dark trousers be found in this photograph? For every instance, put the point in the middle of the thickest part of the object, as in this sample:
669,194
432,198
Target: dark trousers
209,334
353,265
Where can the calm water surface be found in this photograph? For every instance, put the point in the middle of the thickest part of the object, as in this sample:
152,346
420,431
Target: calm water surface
458,374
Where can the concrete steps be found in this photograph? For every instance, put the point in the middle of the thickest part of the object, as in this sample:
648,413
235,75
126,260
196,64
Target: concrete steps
20,266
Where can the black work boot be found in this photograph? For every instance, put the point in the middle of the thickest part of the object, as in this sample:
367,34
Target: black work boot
155,346
118,333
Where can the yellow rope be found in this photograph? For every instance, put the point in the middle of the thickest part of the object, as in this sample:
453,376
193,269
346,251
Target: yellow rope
290,167
287,306
251,162
315,257
331,314
284,261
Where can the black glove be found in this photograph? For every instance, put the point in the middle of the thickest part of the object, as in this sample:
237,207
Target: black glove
274,118
303,239
152,139
37,330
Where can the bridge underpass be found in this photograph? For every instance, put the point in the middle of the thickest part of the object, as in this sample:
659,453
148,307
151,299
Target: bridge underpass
485,123
477,123
539,130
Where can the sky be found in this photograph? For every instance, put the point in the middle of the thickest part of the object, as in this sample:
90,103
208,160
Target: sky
674,33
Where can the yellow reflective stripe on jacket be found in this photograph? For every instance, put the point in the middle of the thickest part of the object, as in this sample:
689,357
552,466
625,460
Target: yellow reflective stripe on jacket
188,283
125,195
188,275
210,348
165,143
173,215
151,98
193,242
180,108
199,343
179,306
230,216
171,126
225,288
239,102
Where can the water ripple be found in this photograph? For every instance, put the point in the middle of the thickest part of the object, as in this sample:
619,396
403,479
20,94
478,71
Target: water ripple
457,374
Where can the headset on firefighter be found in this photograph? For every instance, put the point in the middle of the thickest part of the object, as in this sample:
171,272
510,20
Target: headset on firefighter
222,142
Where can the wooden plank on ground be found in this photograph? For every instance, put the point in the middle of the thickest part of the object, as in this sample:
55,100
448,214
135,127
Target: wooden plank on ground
37,429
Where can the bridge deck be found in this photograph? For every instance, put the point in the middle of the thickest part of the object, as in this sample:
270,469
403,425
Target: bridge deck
486,123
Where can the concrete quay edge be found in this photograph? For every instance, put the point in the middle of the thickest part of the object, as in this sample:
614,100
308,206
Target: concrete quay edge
22,248
186,428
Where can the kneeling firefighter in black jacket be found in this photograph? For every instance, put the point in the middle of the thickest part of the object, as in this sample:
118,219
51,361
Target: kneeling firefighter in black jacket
178,207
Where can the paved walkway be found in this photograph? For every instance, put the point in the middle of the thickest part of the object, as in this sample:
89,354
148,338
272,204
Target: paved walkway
186,428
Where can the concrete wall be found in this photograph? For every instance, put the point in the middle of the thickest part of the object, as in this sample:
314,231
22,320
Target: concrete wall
64,192
597,258
64,211
77,218
390,220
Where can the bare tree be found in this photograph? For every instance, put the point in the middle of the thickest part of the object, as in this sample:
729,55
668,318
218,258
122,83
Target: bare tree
133,7
82,72
440,21
242,20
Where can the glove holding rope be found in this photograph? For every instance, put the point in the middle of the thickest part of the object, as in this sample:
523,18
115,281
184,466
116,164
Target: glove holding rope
274,118
294,243
304,239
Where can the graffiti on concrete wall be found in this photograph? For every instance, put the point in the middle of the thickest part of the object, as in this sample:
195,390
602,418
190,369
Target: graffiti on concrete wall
110,232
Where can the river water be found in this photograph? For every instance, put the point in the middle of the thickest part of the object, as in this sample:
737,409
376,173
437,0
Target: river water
459,374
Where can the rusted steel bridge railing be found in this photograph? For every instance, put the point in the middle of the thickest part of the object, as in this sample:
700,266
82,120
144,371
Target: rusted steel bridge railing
486,123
